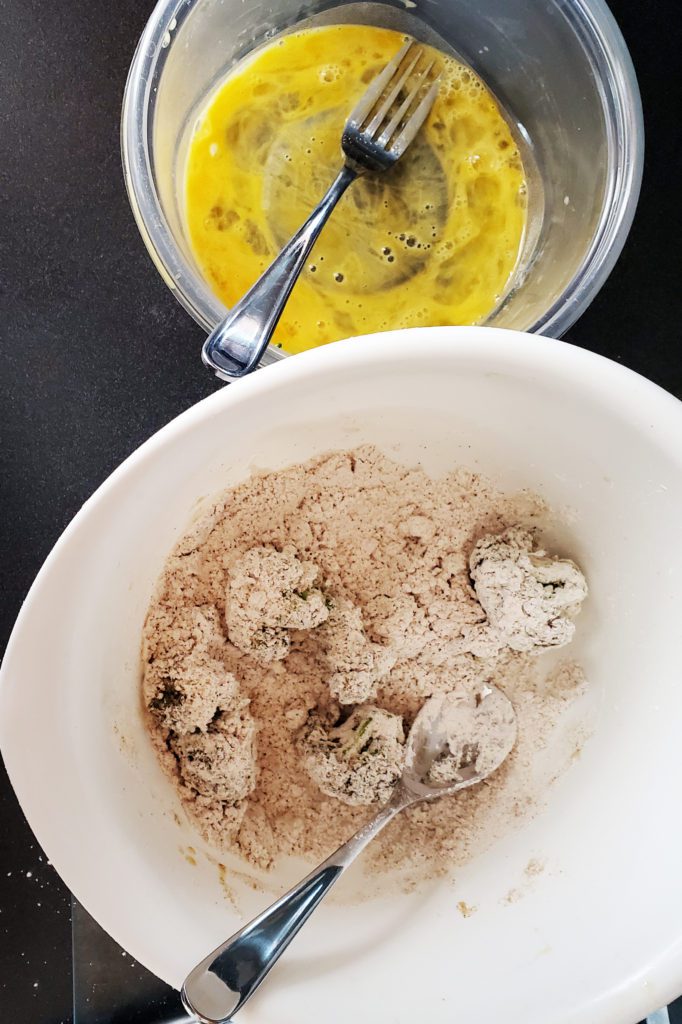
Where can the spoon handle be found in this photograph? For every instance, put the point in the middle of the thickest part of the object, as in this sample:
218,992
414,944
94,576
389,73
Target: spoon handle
235,347
227,977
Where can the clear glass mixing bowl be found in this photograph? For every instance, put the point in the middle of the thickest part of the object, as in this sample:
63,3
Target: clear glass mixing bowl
560,68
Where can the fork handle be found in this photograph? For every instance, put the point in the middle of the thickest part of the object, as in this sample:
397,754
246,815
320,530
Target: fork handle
235,347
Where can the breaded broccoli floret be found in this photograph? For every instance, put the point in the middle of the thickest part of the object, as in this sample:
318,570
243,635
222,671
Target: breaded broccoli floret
270,593
529,598
359,761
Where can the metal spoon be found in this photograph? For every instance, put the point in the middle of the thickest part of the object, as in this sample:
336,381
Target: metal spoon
461,739
376,134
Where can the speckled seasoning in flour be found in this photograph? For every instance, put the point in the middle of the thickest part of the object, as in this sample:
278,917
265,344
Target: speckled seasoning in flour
299,627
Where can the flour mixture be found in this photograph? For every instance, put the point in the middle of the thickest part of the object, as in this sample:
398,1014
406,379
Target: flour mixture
300,626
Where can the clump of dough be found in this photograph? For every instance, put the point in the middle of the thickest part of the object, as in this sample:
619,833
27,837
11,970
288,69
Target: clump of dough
529,597
219,764
355,665
186,683
270,593
358,762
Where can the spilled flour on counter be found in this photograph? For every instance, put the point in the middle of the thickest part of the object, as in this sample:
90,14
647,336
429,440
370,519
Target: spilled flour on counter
299,627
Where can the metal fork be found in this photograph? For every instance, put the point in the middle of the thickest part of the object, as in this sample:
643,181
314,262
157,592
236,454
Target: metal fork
377,133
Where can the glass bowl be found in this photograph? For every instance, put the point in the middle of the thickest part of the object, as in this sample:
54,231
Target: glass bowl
560,68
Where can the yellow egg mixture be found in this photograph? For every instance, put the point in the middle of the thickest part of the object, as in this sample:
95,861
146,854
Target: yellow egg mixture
432,241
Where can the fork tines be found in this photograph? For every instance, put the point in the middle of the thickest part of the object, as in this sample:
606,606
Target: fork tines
397,102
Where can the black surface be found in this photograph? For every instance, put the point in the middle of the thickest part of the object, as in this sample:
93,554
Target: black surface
87,325
109,987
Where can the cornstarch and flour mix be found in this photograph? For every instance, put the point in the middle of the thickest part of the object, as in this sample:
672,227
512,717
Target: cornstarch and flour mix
299,627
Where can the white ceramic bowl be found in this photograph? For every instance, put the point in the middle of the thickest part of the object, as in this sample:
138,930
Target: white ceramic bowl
597,937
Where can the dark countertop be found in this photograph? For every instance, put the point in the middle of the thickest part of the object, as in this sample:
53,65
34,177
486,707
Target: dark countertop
87,325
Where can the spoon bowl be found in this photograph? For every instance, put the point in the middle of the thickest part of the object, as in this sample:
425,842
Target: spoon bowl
457,740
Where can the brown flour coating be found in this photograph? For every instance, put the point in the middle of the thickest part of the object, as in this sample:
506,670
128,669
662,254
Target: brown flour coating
384,550
354,666
529,598
220,762
359,761
269,594
186,678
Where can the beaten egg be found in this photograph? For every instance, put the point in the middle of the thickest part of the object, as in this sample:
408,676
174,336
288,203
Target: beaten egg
434,240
